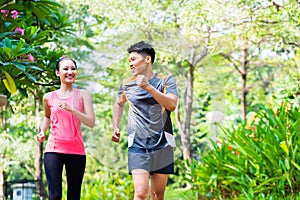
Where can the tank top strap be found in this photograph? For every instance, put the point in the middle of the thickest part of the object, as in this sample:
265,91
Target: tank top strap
76,95
77,100
52,96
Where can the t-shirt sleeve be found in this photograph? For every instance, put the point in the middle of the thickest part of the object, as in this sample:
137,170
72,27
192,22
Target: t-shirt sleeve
171,87
121,97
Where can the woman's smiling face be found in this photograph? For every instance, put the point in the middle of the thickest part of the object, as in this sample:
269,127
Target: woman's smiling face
67,71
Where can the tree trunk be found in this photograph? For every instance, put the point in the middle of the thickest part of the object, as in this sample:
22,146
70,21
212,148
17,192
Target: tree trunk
3,100
244,83
185,126
2,173
39,158
2,181
188,104
3,118
39,172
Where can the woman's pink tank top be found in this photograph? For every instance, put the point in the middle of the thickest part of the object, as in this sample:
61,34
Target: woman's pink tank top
65,133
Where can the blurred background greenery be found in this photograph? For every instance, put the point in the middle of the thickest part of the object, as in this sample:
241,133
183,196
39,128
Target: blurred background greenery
236,64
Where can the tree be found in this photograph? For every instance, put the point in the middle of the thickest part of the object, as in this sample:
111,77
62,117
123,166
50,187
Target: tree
26,28
254,37
27,62
163,24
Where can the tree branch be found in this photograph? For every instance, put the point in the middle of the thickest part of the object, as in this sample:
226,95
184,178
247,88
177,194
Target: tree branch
294,44
231,61
181,70
28,168
278,7
204,51
290,43
167,69
178,120
47,84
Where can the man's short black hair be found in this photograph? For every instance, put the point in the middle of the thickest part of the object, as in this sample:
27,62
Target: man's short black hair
143,48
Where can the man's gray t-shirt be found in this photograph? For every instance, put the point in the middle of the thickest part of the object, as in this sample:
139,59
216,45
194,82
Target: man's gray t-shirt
149,124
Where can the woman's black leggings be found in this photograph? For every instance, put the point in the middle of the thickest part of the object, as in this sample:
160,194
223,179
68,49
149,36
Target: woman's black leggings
74,165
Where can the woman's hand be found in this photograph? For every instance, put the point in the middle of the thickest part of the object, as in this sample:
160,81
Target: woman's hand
65,106
40,136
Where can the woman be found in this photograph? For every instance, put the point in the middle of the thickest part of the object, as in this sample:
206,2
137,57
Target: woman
65,109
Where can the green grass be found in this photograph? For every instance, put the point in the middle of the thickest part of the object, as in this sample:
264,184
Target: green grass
179,194
183,194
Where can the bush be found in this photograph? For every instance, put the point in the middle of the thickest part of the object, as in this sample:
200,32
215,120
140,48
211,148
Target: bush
107,185
255,161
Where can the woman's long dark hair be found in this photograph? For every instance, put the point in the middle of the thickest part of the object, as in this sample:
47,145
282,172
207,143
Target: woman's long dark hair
64,58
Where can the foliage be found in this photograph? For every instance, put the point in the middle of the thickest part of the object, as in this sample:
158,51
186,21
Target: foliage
253,161
28,31
104,183
85,28
100,182
7,146
288,88
105,29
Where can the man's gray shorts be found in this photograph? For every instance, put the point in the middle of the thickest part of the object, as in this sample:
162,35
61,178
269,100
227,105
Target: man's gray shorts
154,161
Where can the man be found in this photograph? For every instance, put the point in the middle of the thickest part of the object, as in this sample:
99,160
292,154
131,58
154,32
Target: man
151,97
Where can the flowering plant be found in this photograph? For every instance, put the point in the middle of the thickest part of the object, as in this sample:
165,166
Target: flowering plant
22,42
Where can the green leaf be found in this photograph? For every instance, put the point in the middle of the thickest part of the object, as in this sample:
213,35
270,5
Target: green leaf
12,6
5,63
2,35
25,51
287,163
40,37
265,183
19,66
7,52
284,147
7,43
34,67
15,51
30,76
9,83
212,179
296,165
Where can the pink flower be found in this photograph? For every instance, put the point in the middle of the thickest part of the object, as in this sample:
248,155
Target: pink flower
20,30
4,11
14,14
31,58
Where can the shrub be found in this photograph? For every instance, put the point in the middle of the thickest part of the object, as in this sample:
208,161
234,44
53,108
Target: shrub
255,161
108,185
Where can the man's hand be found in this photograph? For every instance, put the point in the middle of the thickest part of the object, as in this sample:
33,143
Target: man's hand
141,80
116,135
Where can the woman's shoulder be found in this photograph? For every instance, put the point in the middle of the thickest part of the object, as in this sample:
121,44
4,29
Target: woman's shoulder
83,92
47,95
